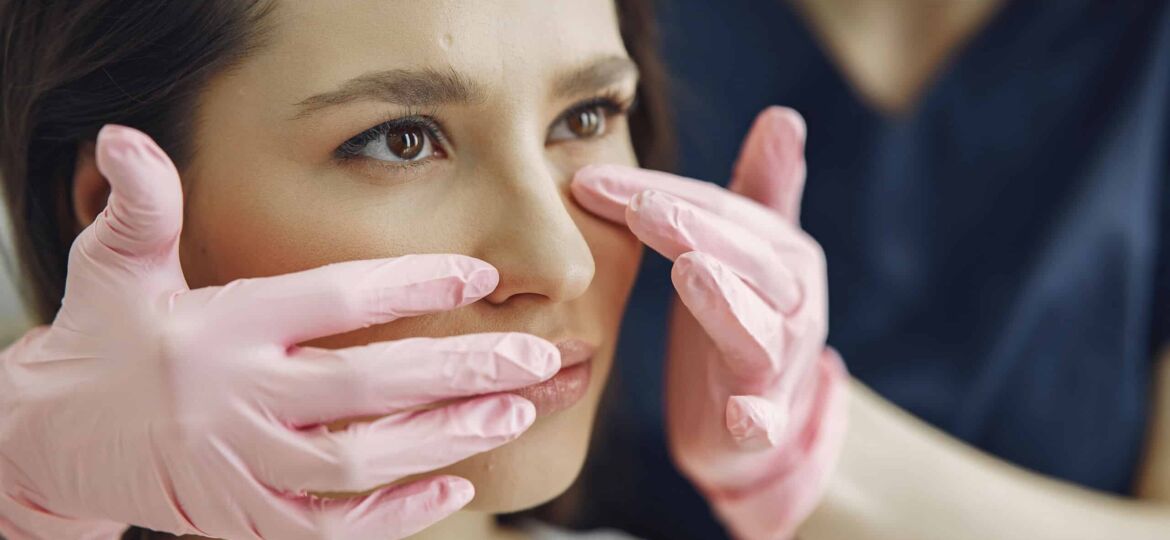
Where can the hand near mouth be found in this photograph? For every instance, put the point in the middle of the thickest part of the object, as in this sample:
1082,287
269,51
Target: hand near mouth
195,411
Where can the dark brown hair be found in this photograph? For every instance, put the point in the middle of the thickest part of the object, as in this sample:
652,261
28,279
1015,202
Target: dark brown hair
67,67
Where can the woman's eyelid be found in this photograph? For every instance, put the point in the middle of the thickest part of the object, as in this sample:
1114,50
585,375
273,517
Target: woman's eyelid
614,100
618,95
431,126
425,120
611,106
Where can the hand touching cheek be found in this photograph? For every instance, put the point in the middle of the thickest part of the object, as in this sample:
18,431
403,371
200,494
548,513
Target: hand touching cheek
755,399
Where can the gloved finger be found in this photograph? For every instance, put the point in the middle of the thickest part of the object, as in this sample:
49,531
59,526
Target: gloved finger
145,210
672,226
770,167
606,190
747,331
365,455
390,513
755,422
324,385
137,232
396,512
773,507
345,296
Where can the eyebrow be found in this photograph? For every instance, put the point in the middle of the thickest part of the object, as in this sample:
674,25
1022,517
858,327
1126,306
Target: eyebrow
411,88
417,88
594,75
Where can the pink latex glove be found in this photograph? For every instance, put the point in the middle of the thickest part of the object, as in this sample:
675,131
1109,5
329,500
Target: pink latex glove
754,398
195,412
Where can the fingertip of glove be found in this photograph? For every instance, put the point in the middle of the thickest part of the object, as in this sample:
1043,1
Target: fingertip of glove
482,279
118,144
117,133
696,276
690,262
455,279
539,358
754,422
777,117
523,413
454,491
511,416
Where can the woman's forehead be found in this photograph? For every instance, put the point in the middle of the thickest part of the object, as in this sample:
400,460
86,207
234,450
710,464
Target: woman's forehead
315,46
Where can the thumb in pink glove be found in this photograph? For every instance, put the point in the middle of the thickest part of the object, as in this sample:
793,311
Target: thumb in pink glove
755,400
194,411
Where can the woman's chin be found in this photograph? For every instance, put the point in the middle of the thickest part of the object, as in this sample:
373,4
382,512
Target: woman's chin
525,473
533,469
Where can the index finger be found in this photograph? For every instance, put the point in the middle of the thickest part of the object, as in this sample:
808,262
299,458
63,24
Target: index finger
340,297
770,168
606,190
314,385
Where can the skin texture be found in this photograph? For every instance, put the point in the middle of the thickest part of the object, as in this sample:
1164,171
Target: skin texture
265,195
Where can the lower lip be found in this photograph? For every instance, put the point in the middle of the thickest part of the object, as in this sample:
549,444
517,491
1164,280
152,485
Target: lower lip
560,392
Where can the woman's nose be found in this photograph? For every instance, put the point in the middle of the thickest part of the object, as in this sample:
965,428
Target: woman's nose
533,241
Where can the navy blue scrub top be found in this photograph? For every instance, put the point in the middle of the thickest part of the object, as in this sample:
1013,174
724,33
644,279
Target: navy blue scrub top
997,256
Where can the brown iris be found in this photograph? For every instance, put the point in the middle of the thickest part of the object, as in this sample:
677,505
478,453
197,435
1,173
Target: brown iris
406,143
585,123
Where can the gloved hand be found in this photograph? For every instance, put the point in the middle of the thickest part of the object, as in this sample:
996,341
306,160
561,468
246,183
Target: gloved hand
755,400
18,522
194,411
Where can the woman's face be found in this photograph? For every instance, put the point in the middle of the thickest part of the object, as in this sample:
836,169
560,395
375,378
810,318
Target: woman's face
377,128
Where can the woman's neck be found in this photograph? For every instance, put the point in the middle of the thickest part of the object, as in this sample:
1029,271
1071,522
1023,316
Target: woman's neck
890,50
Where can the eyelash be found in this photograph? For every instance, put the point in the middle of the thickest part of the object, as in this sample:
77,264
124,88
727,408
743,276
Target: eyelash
612,104
352,148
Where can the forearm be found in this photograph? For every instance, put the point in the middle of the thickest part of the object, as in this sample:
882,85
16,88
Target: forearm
1154,484
900,478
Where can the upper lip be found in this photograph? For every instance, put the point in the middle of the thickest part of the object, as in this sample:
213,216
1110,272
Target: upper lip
574,351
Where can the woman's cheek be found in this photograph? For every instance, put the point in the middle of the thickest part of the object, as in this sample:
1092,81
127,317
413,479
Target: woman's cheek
269,227
616,253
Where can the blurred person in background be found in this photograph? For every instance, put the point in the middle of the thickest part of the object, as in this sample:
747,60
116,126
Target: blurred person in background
988,180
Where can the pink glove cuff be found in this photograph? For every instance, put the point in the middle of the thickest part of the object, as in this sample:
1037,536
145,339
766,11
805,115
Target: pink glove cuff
780,501
22,522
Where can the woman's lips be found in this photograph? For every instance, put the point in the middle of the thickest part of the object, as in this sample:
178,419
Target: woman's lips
569,385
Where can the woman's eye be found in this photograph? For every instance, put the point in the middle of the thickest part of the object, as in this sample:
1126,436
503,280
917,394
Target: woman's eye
407,144
398,141
580,123
411,143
